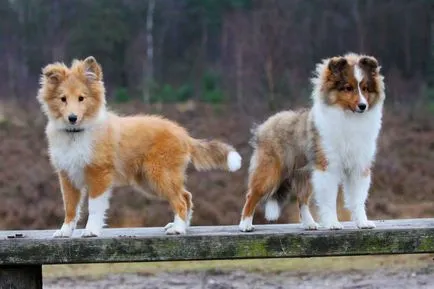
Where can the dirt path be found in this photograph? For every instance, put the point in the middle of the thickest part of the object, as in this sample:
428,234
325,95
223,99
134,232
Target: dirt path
384,279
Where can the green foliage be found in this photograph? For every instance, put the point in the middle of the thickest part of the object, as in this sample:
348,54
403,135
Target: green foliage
168,93
77,29
210,11
103,31
239,4
121,95
185,92
210,80
164,94
213,96
429,93
189,38
429,96
211,91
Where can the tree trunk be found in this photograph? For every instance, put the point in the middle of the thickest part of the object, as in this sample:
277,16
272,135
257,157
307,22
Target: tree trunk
270,81
149,52
200,61
357,14
21,277
239,72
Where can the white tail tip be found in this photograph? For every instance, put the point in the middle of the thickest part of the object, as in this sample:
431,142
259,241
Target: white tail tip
234,161
272,210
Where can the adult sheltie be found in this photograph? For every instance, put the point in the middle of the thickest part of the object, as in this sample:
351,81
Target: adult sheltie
94,150
329,146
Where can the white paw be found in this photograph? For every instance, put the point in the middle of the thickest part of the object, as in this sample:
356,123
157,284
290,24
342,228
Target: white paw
189,217
248,228
64,232
246,225
87,233
176,230
333,226
178,227
366,225
310,226
234,161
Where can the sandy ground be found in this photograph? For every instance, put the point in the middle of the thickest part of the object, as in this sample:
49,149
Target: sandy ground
422,278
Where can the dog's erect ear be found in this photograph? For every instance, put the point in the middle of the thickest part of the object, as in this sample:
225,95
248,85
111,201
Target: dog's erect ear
337,65
93,70
54,73
369,64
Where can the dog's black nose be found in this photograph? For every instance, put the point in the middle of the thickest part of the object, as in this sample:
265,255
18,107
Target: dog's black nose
72,118
362,106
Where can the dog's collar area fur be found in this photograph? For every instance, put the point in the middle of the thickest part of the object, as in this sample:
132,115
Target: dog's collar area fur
74,130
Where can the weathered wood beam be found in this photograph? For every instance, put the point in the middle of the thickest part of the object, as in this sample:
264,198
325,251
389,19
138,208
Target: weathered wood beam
222,242
21,277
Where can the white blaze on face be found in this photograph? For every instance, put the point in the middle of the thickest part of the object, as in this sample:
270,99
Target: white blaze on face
358,75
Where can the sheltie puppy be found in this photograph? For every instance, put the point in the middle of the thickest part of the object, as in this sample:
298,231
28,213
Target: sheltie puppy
329,146
94,150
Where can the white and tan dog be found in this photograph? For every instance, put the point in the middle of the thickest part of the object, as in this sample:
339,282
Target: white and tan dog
94,150
331,145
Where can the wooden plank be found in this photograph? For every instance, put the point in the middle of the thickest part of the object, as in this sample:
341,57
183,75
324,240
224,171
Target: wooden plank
21,277
222,242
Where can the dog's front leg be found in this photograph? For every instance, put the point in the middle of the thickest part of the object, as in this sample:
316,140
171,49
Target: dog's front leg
71,201
325,188
356,186
99,184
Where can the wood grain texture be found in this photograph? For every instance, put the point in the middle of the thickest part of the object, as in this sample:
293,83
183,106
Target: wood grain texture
21,277
222,242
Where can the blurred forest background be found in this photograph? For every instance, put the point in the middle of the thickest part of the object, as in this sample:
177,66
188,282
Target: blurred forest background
215,66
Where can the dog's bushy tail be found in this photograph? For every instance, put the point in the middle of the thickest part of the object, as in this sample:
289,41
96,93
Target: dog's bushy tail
276,201
214,154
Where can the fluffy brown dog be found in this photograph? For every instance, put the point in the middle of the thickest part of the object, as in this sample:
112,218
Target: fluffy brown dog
331,144
94,150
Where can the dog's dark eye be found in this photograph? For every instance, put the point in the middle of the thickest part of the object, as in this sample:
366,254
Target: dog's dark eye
365,89
63,98
80,98
348,88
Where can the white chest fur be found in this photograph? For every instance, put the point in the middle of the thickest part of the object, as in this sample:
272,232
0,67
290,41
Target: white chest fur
348,139
71,152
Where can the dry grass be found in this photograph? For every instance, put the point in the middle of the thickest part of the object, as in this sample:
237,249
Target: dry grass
305,265
403,183
403,187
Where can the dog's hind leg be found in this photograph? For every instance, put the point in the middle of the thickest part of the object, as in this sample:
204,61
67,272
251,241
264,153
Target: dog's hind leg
188,199
169,183
264,179
303,188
